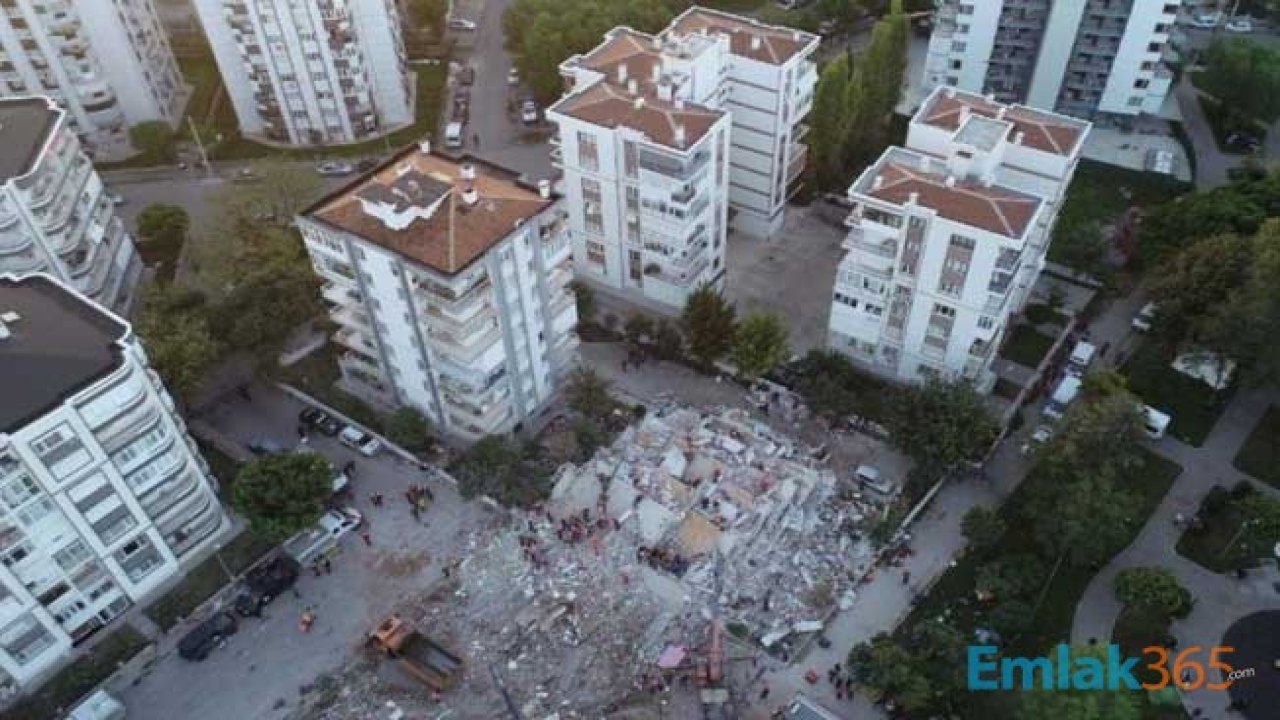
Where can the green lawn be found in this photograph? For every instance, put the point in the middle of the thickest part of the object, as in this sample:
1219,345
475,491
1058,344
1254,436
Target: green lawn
1026,346
316,374
206,579
1217,544
1259,456
1042,314
953,595
1101,193
53,699
223,466
1224,124
1194,406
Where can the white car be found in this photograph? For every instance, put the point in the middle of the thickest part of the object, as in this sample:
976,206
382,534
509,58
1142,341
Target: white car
116,198
528,112
1205,21
1142,321
334,168
1240,25
513,77
461,24
359,441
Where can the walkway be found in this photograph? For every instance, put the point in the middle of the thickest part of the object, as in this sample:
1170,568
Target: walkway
1211,163
1220,600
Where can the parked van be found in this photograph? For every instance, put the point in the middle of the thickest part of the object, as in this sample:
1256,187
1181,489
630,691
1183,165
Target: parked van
453,135
1081,356
98,706
319,541
1154,422
1066,391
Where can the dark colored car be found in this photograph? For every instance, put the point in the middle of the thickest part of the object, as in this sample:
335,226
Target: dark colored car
203,638
265,583
265,446
319,420
366,165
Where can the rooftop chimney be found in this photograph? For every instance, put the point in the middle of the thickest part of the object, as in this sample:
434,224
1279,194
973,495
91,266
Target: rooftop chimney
679,102
679,135
756,42
665,91
951,181
877,182
913,198
622,72
638,103
424,146
1000,113
633,87
964,114
544,188
468,172
950,92
470,196
657,71
1018,137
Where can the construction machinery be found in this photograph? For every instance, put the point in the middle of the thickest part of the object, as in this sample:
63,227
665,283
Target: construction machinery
422,658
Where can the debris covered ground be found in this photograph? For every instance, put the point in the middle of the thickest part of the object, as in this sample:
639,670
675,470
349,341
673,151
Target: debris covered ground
601,602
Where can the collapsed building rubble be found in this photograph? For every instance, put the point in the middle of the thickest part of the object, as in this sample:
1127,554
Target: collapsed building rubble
602,599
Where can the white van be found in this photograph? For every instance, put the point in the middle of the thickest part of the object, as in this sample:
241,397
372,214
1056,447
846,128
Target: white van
1081,356
98,706
1066,391
316,542
1154,422
453,135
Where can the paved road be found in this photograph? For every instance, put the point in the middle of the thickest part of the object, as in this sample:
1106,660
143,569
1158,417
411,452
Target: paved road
1211,163
259,674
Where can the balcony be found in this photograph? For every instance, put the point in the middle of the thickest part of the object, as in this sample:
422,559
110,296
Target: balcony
349,316
339,294
355,340
464,349
799,155
673,167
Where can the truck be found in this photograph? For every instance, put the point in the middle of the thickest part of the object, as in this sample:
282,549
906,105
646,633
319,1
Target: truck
422,658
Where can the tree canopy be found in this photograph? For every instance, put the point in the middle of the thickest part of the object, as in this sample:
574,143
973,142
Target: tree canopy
760,345
408,428
982,527
172,326
1244,76
282,494
1067,704
1153,590
941,425
709,325
163,223
498,468
155,138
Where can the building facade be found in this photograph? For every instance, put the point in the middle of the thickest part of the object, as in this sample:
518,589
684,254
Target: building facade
108,64
1099,60
103,494
948,235
449,282
55,215
663,138
311,72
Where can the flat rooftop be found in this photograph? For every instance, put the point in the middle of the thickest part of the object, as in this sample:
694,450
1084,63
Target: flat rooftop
748,37
676,124
901,175
58,344
25,124
416,205
950,109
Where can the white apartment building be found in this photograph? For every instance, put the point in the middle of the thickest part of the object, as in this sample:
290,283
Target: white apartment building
449,281
55,215
103,495
108,64
311,72
1100,60
948,235
666,139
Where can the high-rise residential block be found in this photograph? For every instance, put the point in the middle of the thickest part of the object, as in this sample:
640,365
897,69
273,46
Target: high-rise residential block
666,140
108,64
311,72
1100,60
448,279
55,215
103,494
948,235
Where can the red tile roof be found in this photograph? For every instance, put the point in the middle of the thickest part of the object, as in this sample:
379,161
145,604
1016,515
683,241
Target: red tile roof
775,45
457,233
607,105
625,46
1040,130
992,208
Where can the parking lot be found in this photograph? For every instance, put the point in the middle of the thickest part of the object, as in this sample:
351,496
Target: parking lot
264,668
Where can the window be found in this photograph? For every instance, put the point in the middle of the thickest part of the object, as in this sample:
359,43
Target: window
25,639
965,9
959,46
630,160
36,511
592,213
949,288
846,300
588,153
957,64
963,243
881,217
986,322
141,446
61,451
874,310
18,490
595,253
1153,47
1135,102
943,310
1141,84
72,556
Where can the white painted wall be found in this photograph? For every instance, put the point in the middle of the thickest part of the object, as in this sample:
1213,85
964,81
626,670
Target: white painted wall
1055,52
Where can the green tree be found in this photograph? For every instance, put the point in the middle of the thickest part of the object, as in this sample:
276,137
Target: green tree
497,468
281,191
1245,77
982,527
1149,589
760,345
1180,223
1261,522
176,336
408,428
639,329
1066,704
667,342
588,393
1082,246
1013,576
1197,285
887,668
1011,617
941,425
709,325
155,138
585,299
282,494
429,13
829,124
163,223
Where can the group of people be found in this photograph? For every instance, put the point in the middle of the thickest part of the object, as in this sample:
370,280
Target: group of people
842,680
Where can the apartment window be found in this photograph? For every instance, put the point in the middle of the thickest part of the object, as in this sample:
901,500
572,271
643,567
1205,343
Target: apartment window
965,9
962,242
875,310
959,46
927,372
630,159
592,213
1141,84
25,639
846,300
36,511
944,310
949,288
881,217
1135,102
1153,47
595,252
1171,9
72,556
18,491
588,153
60,451
956,64
986,322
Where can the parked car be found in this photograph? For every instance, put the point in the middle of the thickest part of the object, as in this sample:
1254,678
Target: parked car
461,24
1142,321
359,441
317,419
203,638
1205,21
1081,357
101,705
245,175
466,75
528,112
334,168
870,478
265,446
366,165
1243,143
513,77
265,583
453,134
317,542
1240,25
116,198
